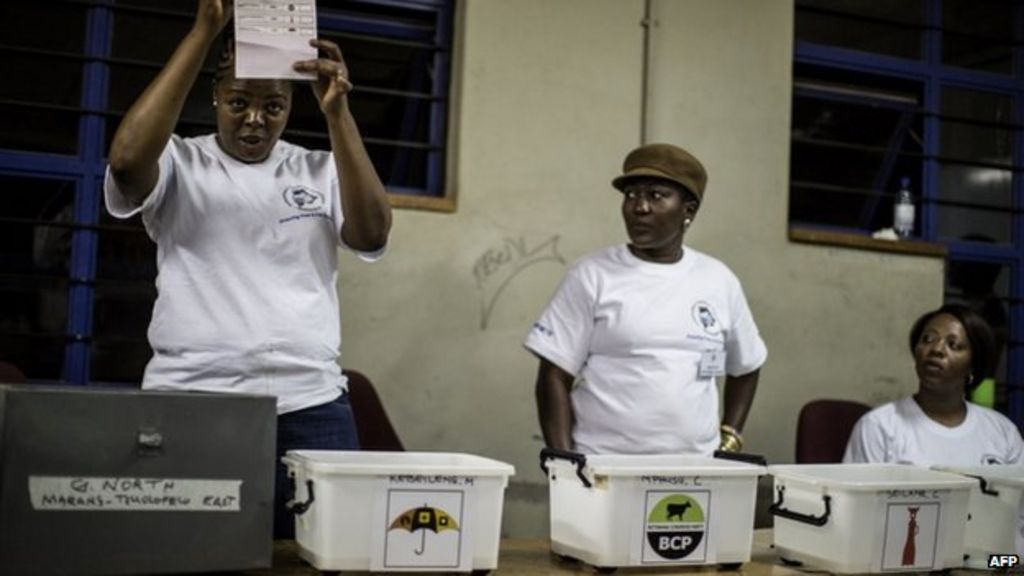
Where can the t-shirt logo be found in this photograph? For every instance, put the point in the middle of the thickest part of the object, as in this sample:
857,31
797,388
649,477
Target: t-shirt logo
538,327
303,198
704,315
991,460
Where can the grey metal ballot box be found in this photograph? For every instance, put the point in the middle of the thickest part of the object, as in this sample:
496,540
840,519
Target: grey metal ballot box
111,481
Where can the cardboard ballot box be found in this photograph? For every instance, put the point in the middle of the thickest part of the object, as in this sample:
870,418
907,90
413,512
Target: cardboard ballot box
112,481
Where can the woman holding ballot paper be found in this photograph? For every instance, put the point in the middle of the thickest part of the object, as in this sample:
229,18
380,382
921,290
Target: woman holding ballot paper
247,228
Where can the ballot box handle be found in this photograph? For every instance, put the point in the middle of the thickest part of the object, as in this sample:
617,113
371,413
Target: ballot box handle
149,442
984,486
580,460
299,508
776,509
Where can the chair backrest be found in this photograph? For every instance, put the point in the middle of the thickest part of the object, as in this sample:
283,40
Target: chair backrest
823,429
372,422
11,374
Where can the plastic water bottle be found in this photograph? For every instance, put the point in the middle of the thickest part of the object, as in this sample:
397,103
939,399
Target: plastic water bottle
903,210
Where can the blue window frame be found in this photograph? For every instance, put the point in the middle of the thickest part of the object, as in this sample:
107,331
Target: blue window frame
932,90
76,286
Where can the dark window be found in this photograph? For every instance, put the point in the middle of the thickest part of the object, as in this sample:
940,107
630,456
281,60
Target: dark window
927,90
978,35
889,28
35,252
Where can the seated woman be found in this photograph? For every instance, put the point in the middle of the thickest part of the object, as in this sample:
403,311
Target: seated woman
953,349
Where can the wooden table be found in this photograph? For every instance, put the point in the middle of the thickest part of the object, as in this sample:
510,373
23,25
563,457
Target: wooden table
533,557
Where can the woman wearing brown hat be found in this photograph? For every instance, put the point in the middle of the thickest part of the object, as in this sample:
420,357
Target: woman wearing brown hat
633,339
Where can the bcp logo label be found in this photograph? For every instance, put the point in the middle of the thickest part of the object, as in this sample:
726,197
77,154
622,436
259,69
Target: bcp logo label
1003,560
676,527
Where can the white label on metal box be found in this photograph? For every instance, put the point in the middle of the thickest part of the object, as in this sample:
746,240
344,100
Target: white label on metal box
71,493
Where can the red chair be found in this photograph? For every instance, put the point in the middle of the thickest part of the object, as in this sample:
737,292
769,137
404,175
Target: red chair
11,374
372,422
823,429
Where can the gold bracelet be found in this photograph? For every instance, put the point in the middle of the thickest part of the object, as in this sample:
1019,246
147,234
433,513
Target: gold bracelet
731,441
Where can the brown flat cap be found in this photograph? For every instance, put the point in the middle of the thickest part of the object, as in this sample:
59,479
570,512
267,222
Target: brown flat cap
667,162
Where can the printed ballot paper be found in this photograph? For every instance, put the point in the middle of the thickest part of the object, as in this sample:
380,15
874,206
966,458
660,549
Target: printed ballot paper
271,35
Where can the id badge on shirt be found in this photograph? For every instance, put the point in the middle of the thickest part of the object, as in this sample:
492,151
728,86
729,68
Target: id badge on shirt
712,363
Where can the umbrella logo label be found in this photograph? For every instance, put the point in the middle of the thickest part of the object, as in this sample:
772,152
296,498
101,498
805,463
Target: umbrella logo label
422,519
676,526
424,529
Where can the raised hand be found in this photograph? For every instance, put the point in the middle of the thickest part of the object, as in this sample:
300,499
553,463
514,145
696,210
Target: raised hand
331,85
213,15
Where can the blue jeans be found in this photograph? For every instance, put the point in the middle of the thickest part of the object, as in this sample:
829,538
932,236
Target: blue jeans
329,426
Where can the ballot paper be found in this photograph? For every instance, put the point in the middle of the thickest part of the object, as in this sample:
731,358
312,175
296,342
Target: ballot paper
271,35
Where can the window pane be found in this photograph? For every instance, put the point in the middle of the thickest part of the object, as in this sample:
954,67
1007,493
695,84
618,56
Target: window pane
984,187
813,204
862,123
890,28
149,38
123,302
383,64
121,316
38,357
984,141
57,26
127,84
37,130
184,6
35,237
61,84
977,105
985,288
977,143
28,126
403,167
125,251
419,21
379,116
814,163
35,246
850,146
954,222
34,307
978,35
980,198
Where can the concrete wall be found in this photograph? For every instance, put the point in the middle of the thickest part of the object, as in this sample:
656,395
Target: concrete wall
548,101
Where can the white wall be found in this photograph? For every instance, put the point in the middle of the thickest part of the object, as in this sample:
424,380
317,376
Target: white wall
547,103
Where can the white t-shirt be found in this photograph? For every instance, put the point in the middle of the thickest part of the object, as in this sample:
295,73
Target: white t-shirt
900,432
247,271
633,333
